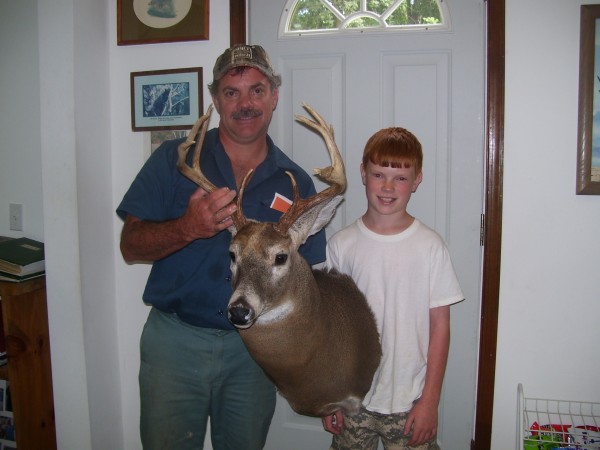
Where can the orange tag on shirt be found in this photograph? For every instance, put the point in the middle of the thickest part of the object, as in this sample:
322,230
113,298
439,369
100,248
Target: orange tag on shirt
280,203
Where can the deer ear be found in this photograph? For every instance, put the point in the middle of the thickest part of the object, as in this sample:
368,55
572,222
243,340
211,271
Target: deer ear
313,220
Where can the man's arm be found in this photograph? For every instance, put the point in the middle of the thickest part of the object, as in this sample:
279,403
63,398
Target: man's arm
423,418
206,215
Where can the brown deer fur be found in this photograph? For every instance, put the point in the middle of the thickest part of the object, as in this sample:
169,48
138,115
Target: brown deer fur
311,331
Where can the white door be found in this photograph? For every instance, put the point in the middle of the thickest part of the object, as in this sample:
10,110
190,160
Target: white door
431,83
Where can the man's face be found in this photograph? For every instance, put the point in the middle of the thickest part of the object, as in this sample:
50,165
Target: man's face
245,102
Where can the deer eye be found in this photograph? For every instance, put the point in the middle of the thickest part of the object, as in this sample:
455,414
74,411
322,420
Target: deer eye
280,259
232,256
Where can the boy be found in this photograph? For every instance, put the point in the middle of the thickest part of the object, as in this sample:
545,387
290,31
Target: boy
404,269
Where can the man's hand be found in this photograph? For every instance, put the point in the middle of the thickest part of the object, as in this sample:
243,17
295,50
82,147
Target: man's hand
208,213
333,422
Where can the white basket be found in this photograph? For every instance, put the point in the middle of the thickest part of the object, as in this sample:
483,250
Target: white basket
547,424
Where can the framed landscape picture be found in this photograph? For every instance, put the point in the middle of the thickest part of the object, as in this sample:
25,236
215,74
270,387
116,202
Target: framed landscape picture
166,99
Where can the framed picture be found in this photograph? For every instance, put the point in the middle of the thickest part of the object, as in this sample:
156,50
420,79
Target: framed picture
588,151
7,430
155,21
166,99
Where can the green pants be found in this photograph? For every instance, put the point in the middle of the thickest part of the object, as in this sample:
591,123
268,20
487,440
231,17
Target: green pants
189,374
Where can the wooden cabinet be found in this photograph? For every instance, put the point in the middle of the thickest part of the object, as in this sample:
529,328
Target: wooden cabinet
25,321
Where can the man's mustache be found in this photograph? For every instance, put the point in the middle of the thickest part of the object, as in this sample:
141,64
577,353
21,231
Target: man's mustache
246,113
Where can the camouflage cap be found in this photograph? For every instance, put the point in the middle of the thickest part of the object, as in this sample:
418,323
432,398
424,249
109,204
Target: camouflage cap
245,55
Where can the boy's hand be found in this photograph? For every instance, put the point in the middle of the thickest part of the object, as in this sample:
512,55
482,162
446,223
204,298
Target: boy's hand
422,421
333,422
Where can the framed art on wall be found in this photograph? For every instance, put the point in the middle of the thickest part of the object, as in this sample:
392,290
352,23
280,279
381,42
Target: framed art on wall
166,99
156,21
588,148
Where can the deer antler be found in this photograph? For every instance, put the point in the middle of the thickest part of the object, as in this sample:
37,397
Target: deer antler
334,175
194,172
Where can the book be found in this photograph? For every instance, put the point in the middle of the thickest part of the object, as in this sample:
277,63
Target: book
12,278
22,256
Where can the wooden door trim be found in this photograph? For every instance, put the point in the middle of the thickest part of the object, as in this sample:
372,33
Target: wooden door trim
237,22
486,373
494,128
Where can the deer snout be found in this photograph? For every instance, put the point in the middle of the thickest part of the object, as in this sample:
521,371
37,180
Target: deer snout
240,315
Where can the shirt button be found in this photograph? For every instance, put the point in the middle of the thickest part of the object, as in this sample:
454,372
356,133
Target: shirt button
227,278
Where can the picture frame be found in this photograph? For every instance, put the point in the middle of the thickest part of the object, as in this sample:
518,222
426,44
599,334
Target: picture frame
588,146
7,431
166,99
156,21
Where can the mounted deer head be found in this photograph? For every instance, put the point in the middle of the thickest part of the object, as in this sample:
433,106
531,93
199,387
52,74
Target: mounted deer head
311,331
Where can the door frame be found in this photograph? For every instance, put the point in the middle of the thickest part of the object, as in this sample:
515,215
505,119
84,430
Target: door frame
492,218
492,229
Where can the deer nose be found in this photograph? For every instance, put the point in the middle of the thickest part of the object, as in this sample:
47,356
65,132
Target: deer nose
239,315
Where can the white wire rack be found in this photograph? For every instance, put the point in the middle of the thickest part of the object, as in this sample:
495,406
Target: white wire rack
547,424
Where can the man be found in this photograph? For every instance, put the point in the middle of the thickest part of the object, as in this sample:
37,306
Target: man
193,362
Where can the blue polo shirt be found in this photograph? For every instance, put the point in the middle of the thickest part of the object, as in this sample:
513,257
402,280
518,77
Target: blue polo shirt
195,282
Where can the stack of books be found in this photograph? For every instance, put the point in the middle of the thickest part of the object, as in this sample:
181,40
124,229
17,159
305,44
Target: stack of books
21,259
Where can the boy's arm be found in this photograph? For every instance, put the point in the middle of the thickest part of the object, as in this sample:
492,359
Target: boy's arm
423,418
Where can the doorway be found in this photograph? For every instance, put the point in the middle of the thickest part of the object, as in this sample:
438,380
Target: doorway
492,196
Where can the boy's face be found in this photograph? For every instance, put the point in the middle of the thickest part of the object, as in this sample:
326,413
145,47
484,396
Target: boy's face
389,189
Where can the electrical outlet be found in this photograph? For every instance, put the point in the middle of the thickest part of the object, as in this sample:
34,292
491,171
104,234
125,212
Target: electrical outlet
16,216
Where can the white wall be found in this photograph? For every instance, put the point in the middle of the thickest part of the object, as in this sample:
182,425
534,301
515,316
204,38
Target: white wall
57,36
549,302
549,333
20,159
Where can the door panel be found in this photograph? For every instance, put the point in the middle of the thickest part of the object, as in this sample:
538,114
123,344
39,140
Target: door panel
432,84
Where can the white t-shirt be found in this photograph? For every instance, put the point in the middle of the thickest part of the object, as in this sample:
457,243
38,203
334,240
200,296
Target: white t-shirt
402,276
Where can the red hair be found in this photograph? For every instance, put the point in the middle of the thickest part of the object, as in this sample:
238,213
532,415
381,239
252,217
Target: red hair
394,147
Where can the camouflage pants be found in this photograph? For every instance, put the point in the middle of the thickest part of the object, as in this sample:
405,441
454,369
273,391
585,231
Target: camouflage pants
362,431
